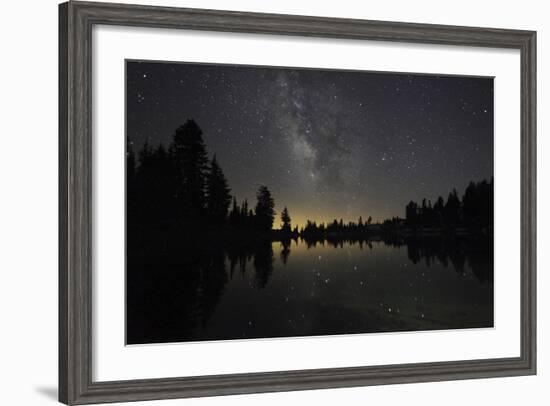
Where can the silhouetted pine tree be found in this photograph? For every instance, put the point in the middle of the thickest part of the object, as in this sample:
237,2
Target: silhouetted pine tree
477,204
246,217
285,221
218,198
452,209
188,153
234,214
411,214
265,209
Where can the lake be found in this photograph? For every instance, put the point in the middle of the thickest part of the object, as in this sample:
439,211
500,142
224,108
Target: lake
296,288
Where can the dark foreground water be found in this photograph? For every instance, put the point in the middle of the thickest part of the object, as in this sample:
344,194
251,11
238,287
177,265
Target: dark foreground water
273,289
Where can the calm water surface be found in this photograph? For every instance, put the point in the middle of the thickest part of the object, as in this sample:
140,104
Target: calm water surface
280,290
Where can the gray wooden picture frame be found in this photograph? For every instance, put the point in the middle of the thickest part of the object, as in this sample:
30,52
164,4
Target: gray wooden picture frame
76,20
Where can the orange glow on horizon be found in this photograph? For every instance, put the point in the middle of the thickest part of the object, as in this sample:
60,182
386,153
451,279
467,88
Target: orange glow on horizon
300,220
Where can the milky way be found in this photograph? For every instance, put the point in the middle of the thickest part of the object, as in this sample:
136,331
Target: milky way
329,144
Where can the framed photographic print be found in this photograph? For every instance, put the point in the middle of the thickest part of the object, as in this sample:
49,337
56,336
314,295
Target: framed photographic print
255,202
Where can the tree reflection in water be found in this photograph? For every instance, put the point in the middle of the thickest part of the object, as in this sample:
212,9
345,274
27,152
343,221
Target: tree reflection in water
172,299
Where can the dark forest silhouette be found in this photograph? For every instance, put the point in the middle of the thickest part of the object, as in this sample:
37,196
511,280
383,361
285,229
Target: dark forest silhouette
178,192
473,215
179,188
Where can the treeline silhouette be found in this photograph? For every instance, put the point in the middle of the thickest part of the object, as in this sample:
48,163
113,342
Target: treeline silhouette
474,211
177,195
337,227
472,214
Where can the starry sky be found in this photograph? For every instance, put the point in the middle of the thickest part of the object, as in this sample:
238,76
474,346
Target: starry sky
327,143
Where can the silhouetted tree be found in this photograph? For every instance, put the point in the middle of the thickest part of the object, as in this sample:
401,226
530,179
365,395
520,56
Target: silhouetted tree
412,214
477,204
217,194
452,209
244,208
247,216
234,214
265,209
438,210
285,221
188,153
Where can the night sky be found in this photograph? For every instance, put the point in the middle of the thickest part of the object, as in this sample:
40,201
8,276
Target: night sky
327,143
